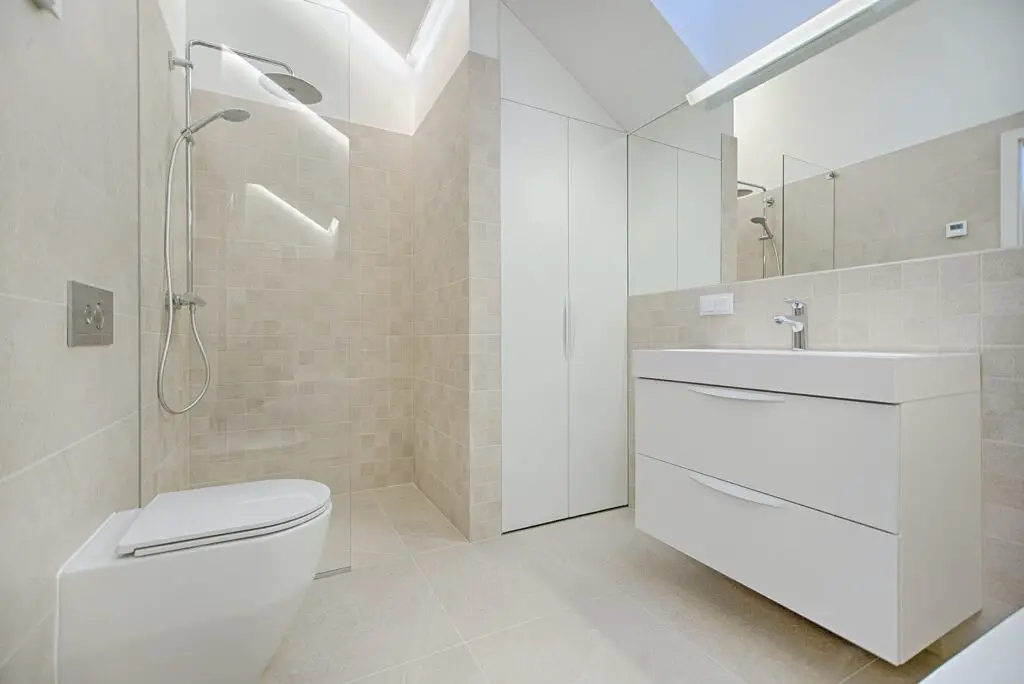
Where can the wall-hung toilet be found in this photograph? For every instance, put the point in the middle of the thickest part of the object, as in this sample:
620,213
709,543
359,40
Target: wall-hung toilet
198,587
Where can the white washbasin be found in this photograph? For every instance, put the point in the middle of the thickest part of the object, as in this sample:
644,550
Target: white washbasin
889,378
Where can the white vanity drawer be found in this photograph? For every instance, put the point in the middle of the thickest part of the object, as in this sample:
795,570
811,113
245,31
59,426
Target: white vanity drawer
841,457
834,572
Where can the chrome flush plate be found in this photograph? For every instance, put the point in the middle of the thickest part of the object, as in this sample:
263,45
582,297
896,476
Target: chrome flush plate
90,316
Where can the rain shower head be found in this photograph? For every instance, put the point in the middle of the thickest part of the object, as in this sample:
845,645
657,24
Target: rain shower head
290,87
229,115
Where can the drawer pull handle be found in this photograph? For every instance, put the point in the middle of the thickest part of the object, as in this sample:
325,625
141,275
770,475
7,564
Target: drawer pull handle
728,393
736,492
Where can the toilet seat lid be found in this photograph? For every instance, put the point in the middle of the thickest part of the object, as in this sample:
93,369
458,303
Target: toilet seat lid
198,514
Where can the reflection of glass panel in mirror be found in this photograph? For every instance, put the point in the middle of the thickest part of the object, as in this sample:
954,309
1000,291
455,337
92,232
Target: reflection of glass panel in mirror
808,216
676,181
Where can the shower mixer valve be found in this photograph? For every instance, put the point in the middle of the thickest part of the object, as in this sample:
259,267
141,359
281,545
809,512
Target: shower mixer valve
189,299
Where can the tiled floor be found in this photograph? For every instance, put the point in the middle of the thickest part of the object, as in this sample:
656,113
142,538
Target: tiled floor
588,601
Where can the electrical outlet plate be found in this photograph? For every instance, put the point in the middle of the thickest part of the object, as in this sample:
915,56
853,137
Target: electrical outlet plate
956,229
716,305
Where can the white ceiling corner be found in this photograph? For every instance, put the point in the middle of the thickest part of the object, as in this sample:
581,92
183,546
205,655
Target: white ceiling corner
396,21
623,52
523,58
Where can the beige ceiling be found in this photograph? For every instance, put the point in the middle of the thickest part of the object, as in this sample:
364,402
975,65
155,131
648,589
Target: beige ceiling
395,21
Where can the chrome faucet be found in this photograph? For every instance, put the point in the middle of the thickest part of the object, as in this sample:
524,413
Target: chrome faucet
798,322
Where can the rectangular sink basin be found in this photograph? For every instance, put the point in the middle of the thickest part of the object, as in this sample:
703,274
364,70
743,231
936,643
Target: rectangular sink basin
887,378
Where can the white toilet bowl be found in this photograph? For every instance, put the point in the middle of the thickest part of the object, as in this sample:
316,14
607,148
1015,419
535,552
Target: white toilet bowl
199,586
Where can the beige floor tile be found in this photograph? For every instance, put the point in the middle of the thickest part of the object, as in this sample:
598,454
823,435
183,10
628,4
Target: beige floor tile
586,600
611,640
372,530
750,635
483,593
356,624
421,526
880,672
455,666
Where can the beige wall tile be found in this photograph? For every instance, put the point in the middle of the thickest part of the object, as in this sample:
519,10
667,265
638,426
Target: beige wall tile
69,209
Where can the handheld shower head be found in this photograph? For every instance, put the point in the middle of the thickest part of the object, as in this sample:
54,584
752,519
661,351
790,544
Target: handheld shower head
763,222
229,115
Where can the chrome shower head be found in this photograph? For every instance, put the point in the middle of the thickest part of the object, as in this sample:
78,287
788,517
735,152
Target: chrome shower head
763,222
229,115
290,87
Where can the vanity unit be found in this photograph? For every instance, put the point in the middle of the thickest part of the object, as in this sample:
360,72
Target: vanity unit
844,486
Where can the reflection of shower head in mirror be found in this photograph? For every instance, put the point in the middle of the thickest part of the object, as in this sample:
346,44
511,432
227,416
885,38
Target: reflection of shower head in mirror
763,222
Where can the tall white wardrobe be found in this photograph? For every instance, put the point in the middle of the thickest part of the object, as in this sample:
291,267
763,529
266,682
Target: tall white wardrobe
564,296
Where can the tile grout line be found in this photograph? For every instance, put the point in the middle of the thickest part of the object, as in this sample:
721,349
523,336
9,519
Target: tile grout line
465,644
697,646
67,447
850,677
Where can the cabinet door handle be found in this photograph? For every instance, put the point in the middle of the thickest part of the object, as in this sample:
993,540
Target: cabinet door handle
565,328
737,492
571,322
741,395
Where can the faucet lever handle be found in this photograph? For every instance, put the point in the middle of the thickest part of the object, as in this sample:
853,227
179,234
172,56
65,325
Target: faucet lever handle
799,306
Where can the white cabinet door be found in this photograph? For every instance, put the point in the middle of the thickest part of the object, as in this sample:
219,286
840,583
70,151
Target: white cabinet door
597,340
653,214
700,221
534,297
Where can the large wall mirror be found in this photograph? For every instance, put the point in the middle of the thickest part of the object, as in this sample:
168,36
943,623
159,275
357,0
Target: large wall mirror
901,142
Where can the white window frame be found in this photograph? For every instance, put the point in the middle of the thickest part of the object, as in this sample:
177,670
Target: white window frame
1011,201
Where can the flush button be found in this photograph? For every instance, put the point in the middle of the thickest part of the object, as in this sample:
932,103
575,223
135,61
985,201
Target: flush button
88,311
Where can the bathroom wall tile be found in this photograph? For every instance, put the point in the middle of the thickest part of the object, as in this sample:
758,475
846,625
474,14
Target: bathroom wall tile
49,509
456,267
1002,330
1003,561
33,662
311,320
1004,523
49,396
960,270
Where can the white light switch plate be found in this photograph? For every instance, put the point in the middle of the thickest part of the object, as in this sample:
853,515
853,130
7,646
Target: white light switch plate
716,305
956,229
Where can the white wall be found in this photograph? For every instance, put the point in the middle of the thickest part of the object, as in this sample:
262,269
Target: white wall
694,129
361,77
530,75
484,21
446,48
622,52
934,68
653,216
175,16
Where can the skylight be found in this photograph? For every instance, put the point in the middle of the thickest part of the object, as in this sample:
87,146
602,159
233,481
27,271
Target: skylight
720,33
